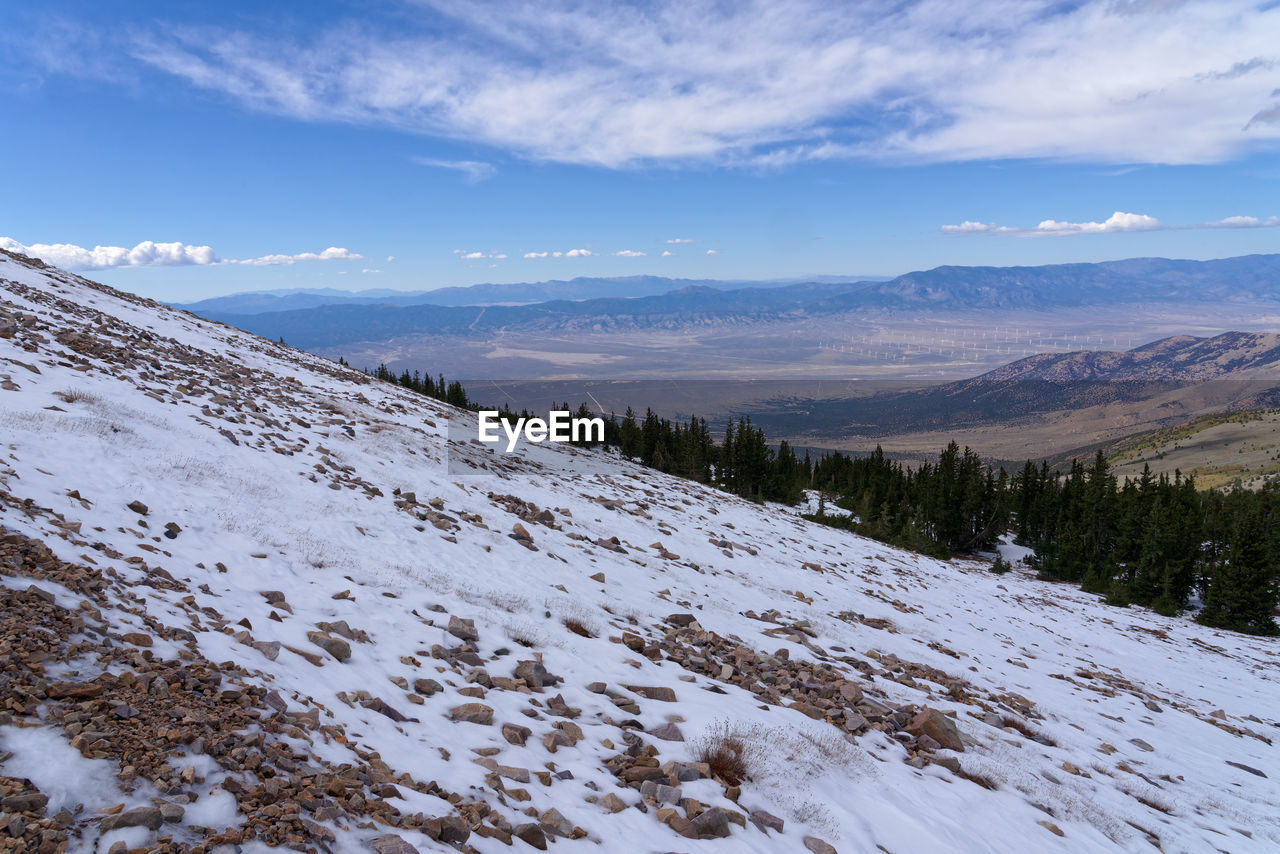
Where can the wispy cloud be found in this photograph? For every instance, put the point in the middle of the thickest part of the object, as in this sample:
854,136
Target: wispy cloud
713,251
1243,222
772,81
1117,222
333,253
469,255
474,170
667,253
681,240
149,253
629,253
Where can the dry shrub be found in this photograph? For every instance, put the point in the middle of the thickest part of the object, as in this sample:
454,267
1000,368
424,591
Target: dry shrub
726,751
576,626
525,635
981,779
1019,725
75,395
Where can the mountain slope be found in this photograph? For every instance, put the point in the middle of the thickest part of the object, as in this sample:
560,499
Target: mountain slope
252,597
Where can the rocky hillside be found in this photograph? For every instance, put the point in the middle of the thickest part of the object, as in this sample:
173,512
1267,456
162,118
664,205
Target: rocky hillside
1182,359
254,599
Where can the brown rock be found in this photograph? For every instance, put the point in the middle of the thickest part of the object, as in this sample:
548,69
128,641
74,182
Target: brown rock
653,692
938,727
73,690
532,834
667,732
762,820
336,647
472,713
463,629
712,823
391,844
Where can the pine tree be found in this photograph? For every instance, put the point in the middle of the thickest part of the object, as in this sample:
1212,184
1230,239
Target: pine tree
1243,592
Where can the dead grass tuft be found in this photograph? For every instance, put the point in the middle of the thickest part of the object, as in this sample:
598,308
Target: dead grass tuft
576,626
726,751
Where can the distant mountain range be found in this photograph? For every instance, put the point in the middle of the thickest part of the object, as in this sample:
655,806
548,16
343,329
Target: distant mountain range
522,293
658,303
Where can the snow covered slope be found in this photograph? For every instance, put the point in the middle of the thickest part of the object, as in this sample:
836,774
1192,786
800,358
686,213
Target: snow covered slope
251,599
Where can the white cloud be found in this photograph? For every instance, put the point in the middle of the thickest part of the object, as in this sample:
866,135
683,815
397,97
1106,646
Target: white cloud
146,254
390,258
477,255
474,170
1117,222
681,240
1244,222
771,82
471,256
333,253
151,254
667,253
629,253
713,252
572,253
367,270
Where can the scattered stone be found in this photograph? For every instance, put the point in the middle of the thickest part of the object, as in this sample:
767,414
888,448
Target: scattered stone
336,647
148,817
472,713
463,629
763,820
817,846
667,732
138,507
712,823
532,834
427,687
662,693
939,727
1243,767
391,844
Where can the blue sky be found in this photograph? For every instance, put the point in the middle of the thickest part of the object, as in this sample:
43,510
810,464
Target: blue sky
183,150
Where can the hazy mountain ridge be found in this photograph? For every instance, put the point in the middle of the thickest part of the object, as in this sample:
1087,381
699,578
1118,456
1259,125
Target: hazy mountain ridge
700,305
520,293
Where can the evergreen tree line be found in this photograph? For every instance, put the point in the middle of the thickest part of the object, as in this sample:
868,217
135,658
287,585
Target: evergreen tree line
1152,541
